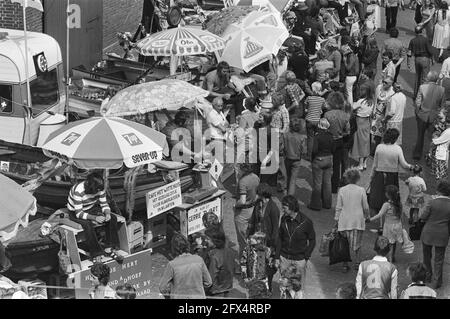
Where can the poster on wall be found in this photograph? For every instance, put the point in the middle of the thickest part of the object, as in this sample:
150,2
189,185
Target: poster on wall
135,270
163,199
195,215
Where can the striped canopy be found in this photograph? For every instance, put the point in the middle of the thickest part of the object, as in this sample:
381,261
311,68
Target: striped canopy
106,143
180,41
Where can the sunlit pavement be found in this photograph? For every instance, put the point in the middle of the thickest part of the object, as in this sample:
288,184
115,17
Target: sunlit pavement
322,279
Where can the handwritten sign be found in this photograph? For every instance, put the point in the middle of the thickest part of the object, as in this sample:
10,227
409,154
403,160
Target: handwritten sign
135,270
195,215
163,199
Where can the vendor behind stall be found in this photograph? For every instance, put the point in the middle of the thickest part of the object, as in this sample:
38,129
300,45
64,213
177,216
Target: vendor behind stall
217,82
179,139
88,206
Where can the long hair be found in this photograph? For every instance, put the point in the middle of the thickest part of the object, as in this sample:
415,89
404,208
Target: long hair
394,196
93,183
102,272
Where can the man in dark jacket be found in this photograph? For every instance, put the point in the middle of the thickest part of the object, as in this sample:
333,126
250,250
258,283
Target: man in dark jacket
297,238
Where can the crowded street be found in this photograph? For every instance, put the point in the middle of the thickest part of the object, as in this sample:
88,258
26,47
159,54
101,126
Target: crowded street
242,149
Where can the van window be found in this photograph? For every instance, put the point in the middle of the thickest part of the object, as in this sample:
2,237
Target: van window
44,91
5,98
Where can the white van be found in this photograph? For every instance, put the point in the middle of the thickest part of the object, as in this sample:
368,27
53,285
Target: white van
18,123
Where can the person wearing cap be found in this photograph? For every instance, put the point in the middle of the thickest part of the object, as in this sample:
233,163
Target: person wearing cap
395,111
334,56
430,99
377,278
322,166
420,48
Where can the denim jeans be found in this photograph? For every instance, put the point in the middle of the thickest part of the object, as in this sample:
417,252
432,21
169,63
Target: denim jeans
439,255
292,172
422,128
311,128
422,65
241,218
322,169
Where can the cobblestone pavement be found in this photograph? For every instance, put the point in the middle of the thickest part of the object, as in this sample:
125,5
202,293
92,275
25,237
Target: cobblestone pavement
322,279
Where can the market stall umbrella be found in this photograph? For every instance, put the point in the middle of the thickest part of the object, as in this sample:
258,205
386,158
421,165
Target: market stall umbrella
280,5
16,205
106,143
253,41
180,41
169,94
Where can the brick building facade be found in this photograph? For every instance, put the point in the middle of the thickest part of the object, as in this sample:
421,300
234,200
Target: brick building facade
118,16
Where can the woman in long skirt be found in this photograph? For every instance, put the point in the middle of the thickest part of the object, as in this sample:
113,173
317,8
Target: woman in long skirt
441,38
363,109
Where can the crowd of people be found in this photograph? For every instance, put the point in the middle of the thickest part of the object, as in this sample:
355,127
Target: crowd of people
335,110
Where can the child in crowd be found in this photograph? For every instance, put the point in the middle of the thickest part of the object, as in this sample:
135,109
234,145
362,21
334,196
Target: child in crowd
416,196
417,289
314,106
126,291
347,290
377,278
392,211
291,284
100,278
256,259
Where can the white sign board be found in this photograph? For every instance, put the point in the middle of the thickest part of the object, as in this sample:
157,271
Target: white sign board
163,199
195,215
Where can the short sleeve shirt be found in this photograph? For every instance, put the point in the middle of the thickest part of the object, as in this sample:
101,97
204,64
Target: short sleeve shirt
214,119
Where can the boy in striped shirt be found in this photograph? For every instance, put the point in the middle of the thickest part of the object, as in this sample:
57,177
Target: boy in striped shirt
88,206
314,105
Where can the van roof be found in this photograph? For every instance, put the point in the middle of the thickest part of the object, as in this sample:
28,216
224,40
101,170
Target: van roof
12,49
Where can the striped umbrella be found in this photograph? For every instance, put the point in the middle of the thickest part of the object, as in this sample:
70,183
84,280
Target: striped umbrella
106,143
180,41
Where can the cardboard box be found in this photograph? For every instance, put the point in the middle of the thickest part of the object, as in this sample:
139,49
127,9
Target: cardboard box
135,235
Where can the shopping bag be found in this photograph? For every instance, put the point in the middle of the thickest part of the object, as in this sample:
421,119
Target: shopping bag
65,264
324,247
339,250
408,245
415,231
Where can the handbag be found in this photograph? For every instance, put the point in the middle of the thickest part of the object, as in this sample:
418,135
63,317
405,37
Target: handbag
339,250
408,245
415,231
63,256
324,247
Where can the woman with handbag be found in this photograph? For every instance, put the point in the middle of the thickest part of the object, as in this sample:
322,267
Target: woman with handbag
351,212
383,93
436,233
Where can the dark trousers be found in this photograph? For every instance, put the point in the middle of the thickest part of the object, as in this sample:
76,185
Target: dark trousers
293,168
397,71
422,127
311,129
338,165
439,255
391,17
112,234
422,65
322,168
418,14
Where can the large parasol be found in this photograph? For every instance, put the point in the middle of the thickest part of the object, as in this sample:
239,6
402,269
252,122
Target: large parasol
170,94
180,41
16,204
254,40
106,143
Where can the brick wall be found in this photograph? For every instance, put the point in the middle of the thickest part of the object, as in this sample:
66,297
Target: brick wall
11,17
119,16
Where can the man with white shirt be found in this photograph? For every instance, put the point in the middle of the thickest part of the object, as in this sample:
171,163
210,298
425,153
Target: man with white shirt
218,126
394,115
